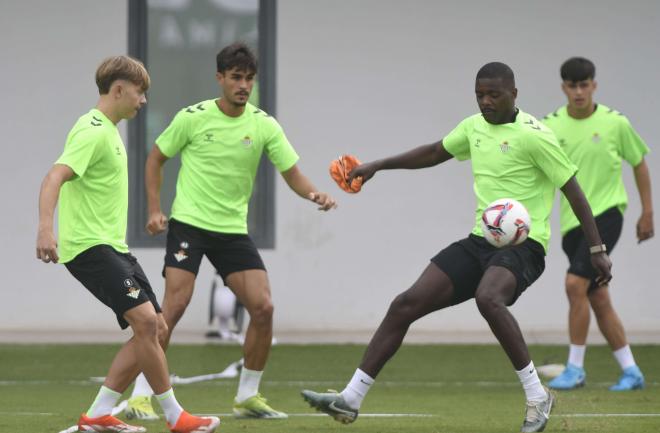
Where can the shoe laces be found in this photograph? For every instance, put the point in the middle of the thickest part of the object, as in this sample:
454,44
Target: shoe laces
261,398
533,412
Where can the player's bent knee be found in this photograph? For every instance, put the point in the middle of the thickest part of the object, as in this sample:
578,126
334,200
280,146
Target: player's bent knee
489,303
163,331
576,287
404,306
177,306
600,301
262,312
144,325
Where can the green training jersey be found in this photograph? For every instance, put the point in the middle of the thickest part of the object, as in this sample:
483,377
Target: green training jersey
219,160
519,160
597,145
93,205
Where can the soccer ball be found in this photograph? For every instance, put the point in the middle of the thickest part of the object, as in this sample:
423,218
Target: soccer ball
505,222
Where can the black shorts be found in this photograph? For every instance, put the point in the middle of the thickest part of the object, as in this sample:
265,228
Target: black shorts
575,246
114,278
466,261
227,252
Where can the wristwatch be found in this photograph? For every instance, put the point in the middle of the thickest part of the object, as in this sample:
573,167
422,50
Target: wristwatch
598,249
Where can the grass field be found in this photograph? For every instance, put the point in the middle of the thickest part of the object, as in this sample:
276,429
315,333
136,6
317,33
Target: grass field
432,388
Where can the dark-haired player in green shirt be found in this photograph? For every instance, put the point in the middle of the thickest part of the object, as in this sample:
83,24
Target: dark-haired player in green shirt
90,179
221,142
513,156
597,139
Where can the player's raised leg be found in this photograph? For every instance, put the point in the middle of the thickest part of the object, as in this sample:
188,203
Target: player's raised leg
179,285
431,292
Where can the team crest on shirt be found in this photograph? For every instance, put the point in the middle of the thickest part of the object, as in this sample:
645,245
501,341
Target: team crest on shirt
133,292
476,143
181,254
117,150
504,146
247,141
208,137
595,138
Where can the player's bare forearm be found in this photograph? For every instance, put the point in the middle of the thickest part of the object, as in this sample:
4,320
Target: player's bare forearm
302,186
298,182
48,195
424,156
153,178
643,180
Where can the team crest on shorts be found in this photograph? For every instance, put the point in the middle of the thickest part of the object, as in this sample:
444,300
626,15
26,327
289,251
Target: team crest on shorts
133,292
128,283
181,255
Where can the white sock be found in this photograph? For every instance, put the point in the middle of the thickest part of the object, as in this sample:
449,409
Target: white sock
531,383
170,406
357,389
103,403
248,385
141,387
576,354
625,357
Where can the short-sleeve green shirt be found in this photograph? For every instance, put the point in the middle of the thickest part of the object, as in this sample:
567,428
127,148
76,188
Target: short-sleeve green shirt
519,160
93,205
597,145
219,160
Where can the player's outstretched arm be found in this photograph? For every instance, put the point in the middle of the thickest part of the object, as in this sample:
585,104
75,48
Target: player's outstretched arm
424,156
643,181
48,195
302,186
599,258
153,179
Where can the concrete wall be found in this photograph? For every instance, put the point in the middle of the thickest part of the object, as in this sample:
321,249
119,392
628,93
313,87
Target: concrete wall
369,77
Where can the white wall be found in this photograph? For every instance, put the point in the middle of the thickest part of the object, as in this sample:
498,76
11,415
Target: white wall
369,77
50,51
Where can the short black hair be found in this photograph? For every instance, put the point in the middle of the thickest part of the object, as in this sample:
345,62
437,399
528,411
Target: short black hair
237,55
497,70
578,69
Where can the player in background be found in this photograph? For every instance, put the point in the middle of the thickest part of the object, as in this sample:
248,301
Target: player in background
221,142
90,179
513,156
597,139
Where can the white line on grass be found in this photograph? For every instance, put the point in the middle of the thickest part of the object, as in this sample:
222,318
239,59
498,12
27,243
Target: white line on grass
392,415
29,413
362,415
315,383
611,415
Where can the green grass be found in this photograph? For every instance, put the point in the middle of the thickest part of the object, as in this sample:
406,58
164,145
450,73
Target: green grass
465,388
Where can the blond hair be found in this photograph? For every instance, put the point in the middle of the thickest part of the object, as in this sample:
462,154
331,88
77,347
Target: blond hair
121,68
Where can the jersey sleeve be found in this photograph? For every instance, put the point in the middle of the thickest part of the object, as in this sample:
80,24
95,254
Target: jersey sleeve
80,149
277,146
457,142
631,146
550,158
176,136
